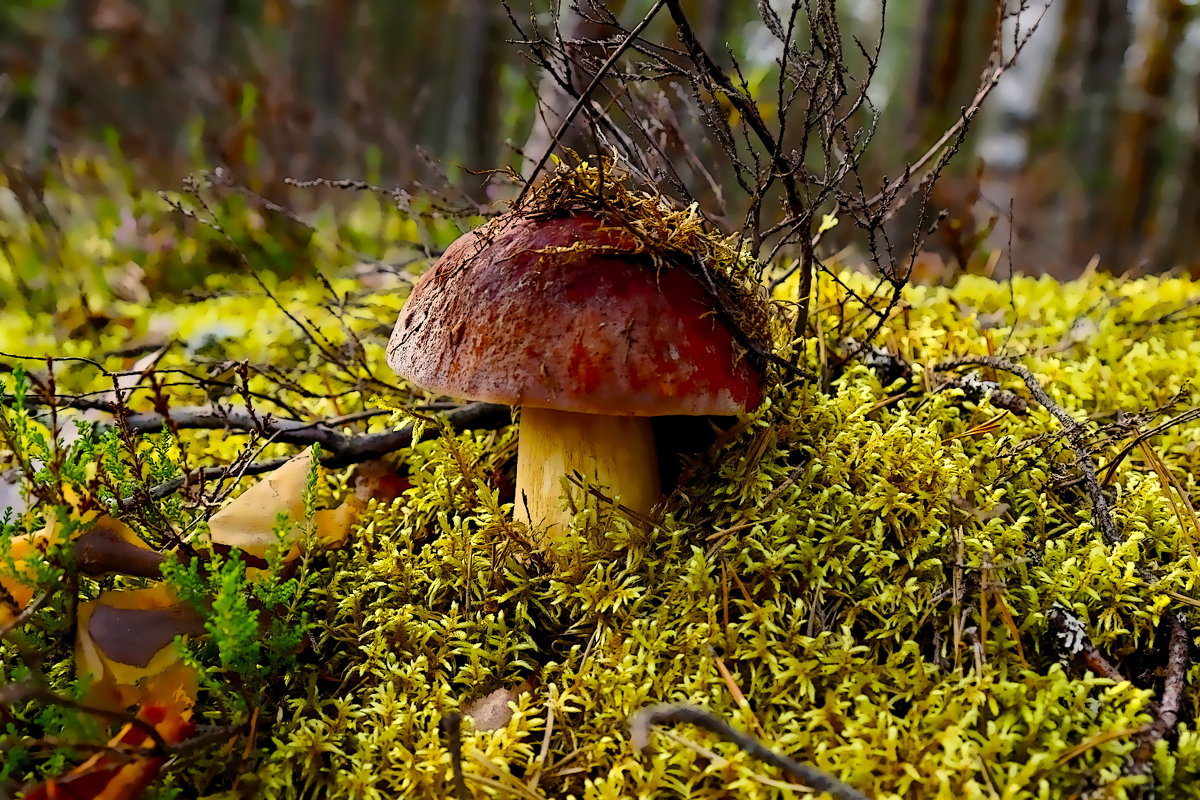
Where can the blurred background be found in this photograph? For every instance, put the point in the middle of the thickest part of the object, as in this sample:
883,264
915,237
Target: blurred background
1089,149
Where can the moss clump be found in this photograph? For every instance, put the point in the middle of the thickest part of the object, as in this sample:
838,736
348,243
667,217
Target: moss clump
876,585
870,567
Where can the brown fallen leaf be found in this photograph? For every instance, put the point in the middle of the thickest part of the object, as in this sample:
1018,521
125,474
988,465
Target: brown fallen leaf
110,546
102,545
124,639
122,773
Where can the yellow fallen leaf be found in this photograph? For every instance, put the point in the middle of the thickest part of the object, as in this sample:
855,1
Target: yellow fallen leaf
333,524
125,638
20,580
249,522
114,774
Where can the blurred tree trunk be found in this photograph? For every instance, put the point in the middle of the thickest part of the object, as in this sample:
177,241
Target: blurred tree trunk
713,27
1108,32
555,100
312,115
210,37
65,29
1025,194
1064,85
1137,160
471,138
329,81
1065,196
939,46
209,46
954,40
391,36
484,149
433,64
952,48
1180,250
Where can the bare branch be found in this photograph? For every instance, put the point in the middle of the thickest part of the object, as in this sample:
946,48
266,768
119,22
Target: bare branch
1072,429
1075,645
36,689
340,450
452,729
1166,711
669,713
582,100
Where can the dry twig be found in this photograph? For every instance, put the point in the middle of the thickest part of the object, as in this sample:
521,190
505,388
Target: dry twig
1074,644
584,96
36,689
1074,430
1166,710
340,450
668,713
452,728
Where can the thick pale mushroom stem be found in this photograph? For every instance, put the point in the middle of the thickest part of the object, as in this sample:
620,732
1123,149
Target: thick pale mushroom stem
616,454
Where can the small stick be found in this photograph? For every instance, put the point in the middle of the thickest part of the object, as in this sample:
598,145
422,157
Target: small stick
452,728
341,451
1074,644
1177,669
35,689
668,713
582,100
1166,711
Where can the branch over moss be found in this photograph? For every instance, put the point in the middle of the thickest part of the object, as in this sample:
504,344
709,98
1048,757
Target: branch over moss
668,713
341,450
1072,429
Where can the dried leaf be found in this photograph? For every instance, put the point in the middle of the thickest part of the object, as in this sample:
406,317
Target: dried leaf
249,522
20,581
103,545
114,775
111,546
124,638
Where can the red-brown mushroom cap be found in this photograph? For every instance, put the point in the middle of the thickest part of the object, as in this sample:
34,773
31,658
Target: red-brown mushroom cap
508,316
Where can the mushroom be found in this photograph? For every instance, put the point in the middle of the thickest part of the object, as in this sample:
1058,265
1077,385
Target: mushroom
571,320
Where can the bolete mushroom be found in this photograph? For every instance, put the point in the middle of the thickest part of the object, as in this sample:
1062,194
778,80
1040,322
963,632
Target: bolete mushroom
572,320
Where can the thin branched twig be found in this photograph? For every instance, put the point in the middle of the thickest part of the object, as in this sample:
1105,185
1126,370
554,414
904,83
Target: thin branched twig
340,450
1075,432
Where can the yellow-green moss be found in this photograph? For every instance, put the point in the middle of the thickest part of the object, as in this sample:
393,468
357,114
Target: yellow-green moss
833,611
841,577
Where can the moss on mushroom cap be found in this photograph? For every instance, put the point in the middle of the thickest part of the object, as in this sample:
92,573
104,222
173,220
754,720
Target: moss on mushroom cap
658,230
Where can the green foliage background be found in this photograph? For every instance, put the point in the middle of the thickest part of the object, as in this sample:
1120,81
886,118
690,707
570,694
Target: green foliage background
871,568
